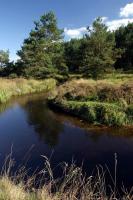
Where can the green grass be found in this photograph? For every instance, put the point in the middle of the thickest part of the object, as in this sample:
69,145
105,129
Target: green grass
115,77
97,112
119,77
18,87
108,101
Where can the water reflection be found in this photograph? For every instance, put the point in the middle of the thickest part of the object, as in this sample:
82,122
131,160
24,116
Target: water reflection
43,121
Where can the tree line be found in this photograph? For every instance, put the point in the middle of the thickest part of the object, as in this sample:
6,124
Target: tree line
45,53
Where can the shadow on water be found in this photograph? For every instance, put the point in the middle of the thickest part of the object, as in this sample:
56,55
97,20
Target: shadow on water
27,122
45,125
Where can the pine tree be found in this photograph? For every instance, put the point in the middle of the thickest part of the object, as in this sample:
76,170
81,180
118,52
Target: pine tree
42,50
4,58
100,53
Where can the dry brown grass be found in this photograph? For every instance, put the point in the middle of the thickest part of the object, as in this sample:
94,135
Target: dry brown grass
17,87
101,90
73,185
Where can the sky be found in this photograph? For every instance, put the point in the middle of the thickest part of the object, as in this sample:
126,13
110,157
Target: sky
17,17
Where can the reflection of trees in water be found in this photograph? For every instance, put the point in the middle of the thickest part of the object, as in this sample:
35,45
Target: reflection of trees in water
20,100
93,131
49,125
43,121
5,106
126,132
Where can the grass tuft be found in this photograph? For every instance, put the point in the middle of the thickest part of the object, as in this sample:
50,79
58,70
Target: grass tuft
17,87
72,185
108,101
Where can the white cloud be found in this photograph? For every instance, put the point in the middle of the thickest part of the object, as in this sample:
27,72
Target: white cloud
114,24
127,11
104,19
75,33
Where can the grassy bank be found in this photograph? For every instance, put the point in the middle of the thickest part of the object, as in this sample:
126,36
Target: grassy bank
17,87
97,113
108,101
72,185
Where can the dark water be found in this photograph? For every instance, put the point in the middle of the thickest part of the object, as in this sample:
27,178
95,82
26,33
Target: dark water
32,129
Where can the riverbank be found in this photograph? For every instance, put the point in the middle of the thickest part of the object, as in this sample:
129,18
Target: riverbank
71,185
108,102
18,87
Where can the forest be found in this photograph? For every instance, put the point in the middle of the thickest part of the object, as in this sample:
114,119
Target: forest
45,53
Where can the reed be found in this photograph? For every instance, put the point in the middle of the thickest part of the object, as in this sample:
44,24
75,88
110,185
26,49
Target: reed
17,87
72,185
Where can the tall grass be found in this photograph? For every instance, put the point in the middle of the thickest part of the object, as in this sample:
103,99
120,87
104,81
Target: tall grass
96,112
98,102
17,87
102,90
72,185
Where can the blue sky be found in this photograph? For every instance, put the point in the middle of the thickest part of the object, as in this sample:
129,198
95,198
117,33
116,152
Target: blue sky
17,16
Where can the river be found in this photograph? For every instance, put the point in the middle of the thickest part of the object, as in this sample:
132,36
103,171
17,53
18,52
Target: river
31,129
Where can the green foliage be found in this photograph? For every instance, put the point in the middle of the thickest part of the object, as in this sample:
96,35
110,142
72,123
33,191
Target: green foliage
45,54
11,70
124,41
73,54
95,112
100,53
97,102
63,69
4,58
88,113
43,50
129,112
